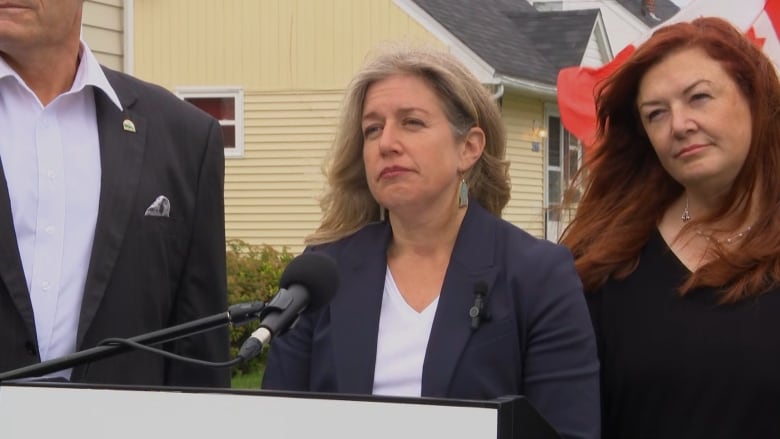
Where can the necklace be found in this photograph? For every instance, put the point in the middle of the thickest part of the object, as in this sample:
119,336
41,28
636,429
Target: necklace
686,216
727,241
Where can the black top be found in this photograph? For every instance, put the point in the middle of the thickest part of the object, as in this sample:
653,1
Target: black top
685,367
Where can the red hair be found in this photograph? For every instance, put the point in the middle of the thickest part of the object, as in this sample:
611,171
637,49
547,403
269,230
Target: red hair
627,190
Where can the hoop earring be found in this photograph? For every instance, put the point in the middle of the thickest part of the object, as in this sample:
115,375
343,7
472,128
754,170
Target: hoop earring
463,194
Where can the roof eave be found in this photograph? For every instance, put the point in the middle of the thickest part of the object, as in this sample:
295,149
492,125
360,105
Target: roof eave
478,66
534,88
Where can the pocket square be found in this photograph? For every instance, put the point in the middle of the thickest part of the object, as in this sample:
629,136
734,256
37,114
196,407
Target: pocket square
160,207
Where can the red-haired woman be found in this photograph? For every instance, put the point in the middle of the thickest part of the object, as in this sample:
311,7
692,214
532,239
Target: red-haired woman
677,238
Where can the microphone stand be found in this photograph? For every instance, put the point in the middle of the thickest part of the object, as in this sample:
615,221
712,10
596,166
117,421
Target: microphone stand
236,315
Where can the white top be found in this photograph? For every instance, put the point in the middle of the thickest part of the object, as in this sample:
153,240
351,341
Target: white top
51,160
401,344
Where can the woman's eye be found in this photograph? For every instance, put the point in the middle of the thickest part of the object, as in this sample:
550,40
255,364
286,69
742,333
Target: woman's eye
370,131
653,115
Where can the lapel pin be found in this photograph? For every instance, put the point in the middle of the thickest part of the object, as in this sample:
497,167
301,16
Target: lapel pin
128,125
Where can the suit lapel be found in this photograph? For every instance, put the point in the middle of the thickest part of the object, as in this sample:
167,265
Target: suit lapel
355,311
356,308
471,263
11,270
121,155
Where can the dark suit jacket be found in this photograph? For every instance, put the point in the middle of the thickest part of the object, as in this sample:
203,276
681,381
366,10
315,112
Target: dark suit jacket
145,273
538,343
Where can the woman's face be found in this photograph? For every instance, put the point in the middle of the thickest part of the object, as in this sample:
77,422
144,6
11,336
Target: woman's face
696,118
412,158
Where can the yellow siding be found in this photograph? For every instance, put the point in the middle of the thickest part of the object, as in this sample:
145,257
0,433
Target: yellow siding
526,207
263,44
293,59
102,29
271,193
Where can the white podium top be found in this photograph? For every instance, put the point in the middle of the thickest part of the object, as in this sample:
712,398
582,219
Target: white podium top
85,413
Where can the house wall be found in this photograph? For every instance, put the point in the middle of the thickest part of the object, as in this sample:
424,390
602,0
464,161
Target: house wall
102,29
263,44
595,54
271,193
526,167
293,59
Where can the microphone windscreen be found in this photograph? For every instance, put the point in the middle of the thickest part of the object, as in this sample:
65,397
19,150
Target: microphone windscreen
316,271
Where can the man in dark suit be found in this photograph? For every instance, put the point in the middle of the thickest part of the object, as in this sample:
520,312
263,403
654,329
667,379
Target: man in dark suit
111,208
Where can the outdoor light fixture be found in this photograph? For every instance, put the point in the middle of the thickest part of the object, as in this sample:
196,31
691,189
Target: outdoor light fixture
538,131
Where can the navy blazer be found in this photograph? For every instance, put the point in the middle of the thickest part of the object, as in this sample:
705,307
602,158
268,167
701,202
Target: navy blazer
145,273
538,343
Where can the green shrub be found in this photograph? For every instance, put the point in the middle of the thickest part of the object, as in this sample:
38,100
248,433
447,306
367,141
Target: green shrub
253,273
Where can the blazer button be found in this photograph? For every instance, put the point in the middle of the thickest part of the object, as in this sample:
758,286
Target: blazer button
31,349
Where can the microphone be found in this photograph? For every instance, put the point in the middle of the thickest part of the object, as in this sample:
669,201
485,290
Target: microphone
236,315
308,282
478,312
245,312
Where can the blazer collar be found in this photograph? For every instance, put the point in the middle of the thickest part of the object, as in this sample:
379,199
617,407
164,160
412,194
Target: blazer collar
355,310
472,262
123,136
11,270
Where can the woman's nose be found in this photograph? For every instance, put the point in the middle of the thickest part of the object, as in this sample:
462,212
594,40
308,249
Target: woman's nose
388,140
682,122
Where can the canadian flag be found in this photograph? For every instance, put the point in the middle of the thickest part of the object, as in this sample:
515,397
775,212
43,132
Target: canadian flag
759,19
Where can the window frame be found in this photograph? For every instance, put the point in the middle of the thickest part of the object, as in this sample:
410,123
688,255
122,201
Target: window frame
237,94
565,173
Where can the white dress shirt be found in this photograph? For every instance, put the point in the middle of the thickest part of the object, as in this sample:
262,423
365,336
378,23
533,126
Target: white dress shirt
51,160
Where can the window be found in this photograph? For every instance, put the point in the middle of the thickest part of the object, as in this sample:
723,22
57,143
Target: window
227,106
563,160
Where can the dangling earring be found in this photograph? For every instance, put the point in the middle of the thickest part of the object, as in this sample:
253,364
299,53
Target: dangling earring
463,194
381,213
686,215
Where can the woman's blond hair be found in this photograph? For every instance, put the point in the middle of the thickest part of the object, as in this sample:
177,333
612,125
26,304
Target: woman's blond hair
347,203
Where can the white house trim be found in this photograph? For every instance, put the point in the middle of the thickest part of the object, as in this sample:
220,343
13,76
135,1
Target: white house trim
128,32
532,87
481,69
237,93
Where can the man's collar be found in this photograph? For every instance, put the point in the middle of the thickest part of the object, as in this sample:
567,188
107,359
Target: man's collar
88,73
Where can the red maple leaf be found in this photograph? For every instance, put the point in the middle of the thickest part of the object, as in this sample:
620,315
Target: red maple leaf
751,34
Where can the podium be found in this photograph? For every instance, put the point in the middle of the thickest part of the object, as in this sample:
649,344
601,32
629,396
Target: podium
48,410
